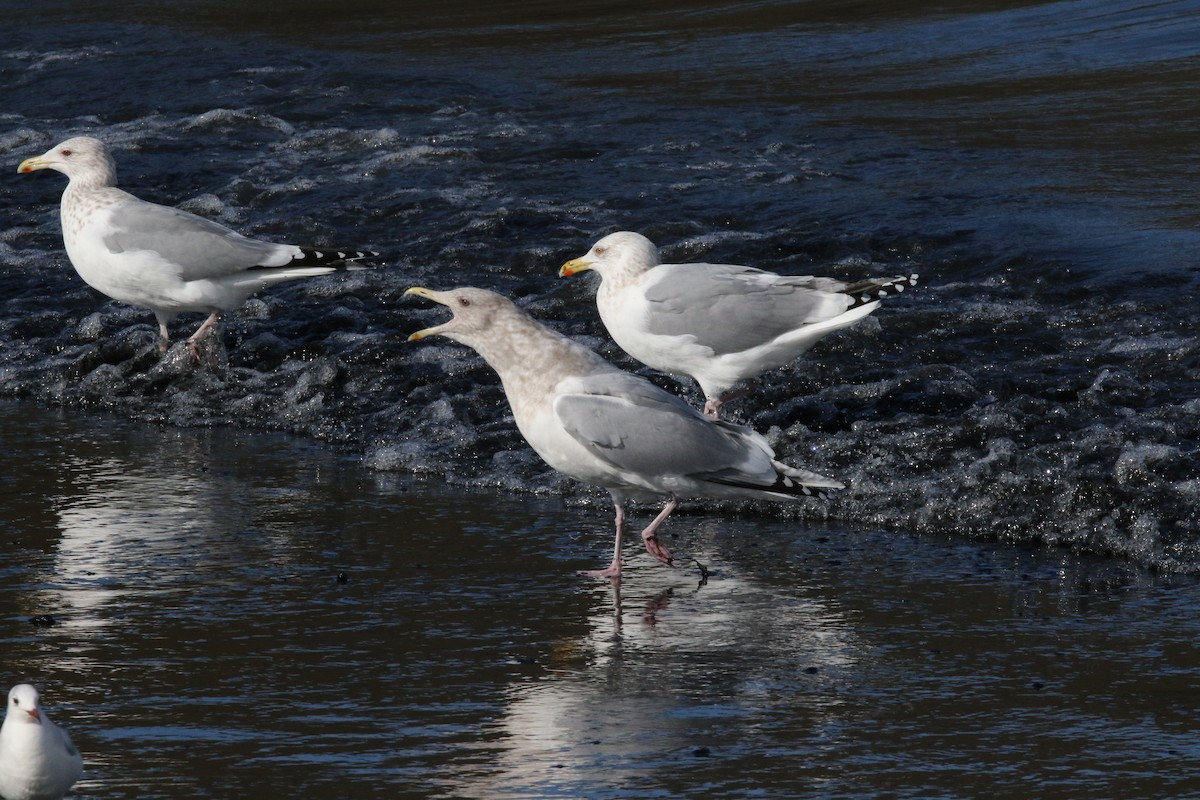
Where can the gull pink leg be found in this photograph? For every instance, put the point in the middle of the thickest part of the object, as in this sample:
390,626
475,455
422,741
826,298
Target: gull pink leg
613,570
650,536
204,328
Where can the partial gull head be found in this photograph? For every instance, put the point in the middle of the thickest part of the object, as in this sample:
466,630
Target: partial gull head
721,324
162,258
601,425
38,761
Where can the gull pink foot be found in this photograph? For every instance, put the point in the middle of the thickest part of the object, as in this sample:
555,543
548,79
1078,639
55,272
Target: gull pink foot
612,573
712,408
655,548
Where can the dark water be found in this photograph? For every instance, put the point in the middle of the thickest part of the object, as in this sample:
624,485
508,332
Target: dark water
1002,604
205,647
1035,162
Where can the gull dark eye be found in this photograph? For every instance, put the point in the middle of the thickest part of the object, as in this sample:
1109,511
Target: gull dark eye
65,153
462,301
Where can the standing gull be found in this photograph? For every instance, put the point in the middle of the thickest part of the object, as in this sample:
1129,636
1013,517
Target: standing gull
601,425
719,323
162,258
37,759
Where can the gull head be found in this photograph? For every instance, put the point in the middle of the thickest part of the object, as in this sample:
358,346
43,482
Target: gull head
474,312
23,705
623,254
82,158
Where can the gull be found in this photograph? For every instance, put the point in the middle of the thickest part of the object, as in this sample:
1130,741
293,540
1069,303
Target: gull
37,759
719,323
163,258
605,426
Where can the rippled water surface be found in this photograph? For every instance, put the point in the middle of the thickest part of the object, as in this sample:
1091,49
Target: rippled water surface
1035,162
245,614
1002,603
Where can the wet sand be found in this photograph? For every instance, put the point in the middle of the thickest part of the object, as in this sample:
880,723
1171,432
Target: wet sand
242,614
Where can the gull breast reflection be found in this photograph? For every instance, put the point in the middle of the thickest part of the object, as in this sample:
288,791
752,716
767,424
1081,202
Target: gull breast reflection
132,527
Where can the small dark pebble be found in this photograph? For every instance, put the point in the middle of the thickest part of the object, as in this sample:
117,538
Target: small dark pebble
43,621
811,670
342,577
702,752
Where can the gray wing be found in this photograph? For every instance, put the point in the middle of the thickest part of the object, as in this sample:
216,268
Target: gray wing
200,247
637,427
731,308
65,740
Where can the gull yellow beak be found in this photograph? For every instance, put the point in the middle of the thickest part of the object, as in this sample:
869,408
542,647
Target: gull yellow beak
32,165
428,294
574,266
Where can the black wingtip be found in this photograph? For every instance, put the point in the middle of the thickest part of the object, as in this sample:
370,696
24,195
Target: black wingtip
872,291
784,484
332,257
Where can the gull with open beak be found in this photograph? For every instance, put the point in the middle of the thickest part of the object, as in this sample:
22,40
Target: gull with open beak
601,425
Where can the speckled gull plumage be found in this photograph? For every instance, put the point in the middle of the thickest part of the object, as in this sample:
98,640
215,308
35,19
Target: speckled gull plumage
719,323
163,258
601,425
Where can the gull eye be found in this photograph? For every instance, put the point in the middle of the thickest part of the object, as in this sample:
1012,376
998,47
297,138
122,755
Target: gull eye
462,301
64,152
599,250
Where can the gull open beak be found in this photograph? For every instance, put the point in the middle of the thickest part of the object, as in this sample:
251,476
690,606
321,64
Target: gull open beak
574,266
428,294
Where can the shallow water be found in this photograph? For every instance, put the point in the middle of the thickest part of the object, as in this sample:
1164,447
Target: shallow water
205,646
1001,605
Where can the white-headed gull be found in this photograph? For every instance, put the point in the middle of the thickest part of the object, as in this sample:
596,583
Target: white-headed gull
38,761
163,258
719,323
